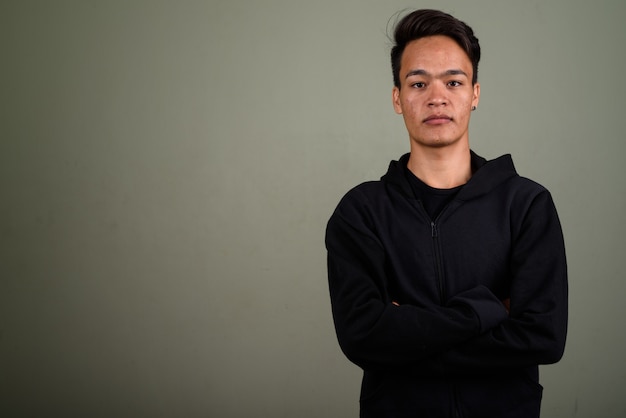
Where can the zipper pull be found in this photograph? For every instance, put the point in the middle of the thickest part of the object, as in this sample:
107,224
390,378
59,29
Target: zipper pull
433,230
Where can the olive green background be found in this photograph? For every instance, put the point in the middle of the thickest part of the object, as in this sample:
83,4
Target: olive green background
167,170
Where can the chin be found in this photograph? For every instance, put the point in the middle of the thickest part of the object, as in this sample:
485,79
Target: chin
439,143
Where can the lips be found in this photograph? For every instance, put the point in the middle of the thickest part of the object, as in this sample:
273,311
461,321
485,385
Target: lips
437,119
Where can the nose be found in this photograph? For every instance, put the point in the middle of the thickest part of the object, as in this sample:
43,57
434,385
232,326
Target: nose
438,95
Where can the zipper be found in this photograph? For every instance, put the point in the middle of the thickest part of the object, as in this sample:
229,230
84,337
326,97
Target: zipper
455,401
438,262
434,233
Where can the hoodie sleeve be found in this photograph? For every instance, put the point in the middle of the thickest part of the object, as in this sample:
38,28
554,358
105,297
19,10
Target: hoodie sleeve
372,331
535,331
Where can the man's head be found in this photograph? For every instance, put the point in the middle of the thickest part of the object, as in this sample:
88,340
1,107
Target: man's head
435,62
424,23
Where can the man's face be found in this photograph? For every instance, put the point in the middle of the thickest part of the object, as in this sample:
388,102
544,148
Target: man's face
436,94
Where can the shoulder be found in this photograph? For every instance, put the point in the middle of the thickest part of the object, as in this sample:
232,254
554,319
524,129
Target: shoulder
366,190
361,198
502,172
355,215
525,185
531,207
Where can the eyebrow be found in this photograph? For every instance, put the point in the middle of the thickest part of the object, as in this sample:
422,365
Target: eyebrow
445,73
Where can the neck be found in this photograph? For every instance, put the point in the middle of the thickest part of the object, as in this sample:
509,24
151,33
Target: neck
441,168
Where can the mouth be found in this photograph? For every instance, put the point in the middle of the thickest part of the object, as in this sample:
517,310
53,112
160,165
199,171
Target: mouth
437,119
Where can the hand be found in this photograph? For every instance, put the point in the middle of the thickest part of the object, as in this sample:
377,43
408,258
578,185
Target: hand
507,305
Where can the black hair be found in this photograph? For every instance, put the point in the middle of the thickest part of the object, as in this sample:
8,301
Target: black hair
428,22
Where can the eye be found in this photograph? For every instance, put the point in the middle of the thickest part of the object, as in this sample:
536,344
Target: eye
454,83
418,85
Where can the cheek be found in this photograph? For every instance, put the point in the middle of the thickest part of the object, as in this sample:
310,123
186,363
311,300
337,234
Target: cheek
413,108
465,105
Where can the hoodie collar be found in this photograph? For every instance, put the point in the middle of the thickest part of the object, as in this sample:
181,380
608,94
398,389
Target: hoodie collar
486,175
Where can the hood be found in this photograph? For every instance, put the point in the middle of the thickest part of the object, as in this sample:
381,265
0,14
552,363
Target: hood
487,175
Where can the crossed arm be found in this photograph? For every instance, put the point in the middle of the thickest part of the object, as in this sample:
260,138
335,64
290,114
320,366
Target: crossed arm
474,329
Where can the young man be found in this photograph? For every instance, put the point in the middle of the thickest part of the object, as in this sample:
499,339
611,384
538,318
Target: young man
447,277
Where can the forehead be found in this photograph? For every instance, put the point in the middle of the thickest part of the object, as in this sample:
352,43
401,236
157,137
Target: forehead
434,53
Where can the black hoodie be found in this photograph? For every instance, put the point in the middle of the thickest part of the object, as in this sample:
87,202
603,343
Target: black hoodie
450,348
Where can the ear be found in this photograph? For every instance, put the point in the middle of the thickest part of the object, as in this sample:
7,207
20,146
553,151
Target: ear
476,96
395,97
